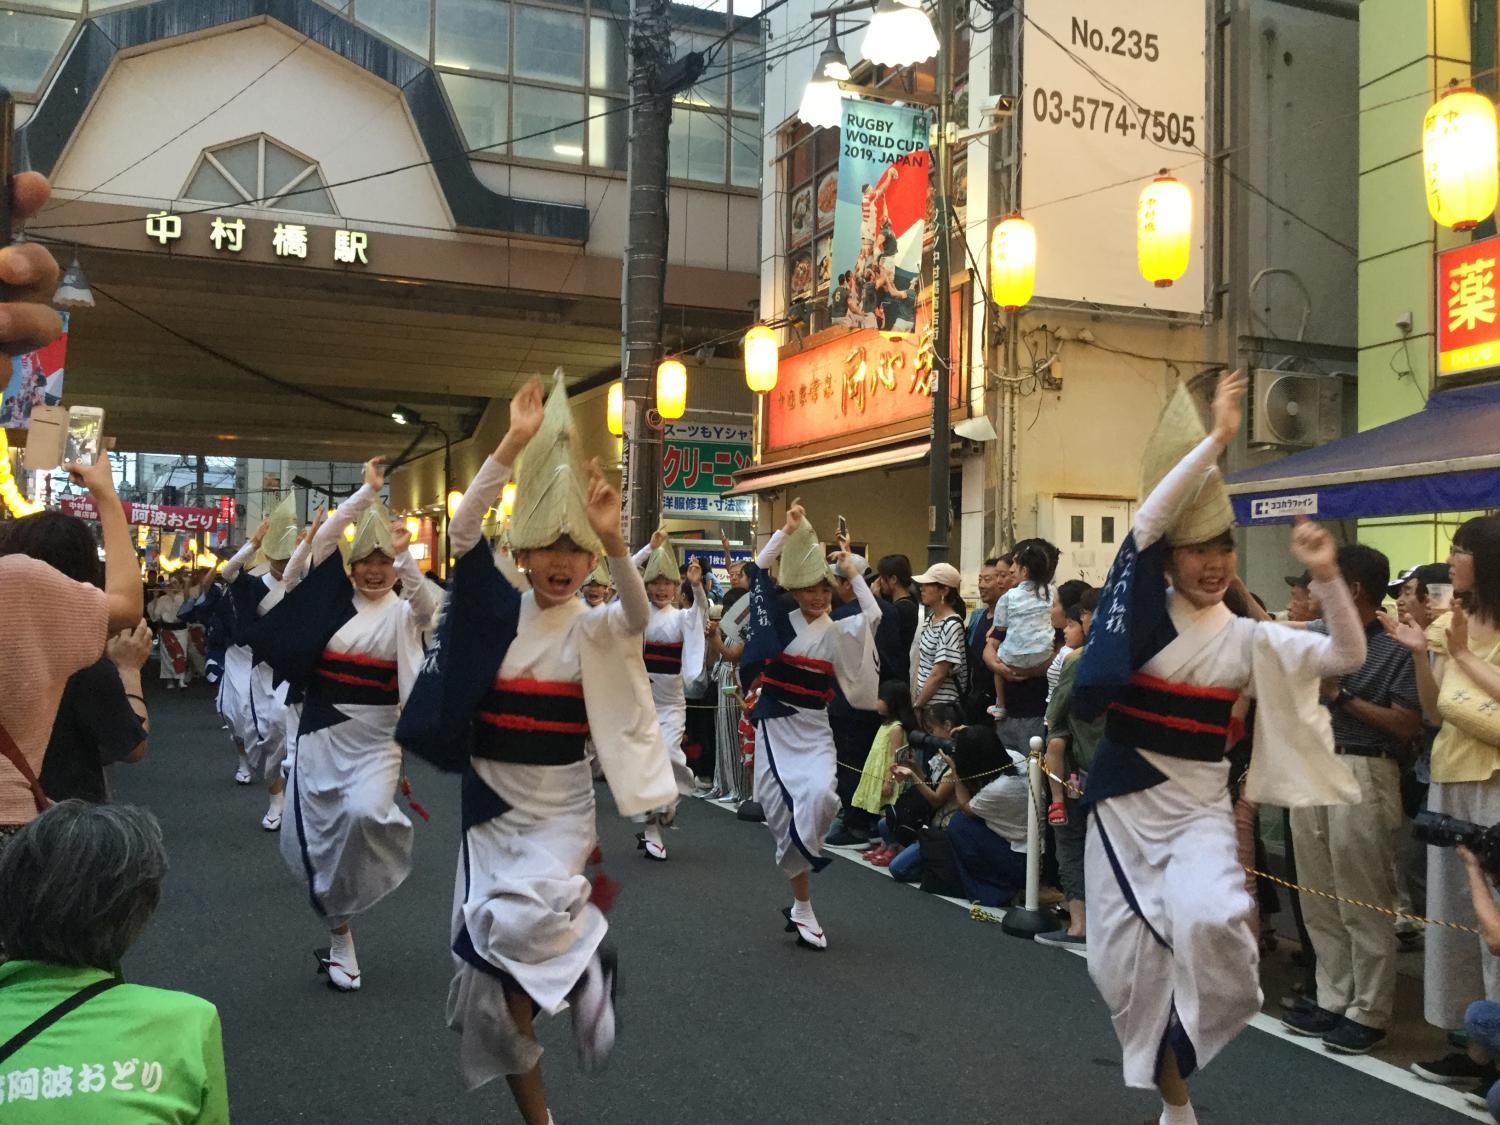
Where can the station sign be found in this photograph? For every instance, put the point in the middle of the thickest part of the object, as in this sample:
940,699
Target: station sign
286,240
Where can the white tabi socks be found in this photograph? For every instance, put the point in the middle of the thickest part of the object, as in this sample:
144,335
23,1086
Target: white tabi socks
343,966
1178,1114
271,822
656,845
243,775
809,933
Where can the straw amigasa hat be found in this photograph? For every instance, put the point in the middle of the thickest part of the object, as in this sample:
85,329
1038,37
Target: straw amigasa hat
1205,514
662,564
282,533
600,576
549,484
372,532
802,562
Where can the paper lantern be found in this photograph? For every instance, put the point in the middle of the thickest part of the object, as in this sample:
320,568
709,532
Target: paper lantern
454,498
1012,262
615,413
349,533
900,34
762,355
1163,230
508,499
1459,158
413,526
671,389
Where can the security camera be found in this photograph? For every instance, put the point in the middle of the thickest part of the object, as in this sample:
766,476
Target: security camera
1403,322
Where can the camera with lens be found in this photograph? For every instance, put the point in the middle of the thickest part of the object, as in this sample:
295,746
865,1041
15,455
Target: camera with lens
1440,830
929,743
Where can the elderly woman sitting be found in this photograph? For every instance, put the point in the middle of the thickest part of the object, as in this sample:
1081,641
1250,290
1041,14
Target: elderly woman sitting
77,1044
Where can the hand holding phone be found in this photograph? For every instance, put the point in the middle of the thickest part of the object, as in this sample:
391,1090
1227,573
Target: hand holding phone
85,440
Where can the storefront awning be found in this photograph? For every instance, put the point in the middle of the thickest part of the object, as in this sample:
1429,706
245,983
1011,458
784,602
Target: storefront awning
1445,459
765,478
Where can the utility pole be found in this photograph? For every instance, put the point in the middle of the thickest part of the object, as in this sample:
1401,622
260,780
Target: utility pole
198,480
937,456
645,267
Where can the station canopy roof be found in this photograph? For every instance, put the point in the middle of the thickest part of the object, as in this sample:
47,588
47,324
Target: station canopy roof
1445,458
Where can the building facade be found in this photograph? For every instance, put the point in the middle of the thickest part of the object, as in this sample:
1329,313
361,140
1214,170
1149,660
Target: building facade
1249,102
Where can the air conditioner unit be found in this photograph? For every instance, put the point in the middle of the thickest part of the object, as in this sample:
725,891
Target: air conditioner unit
1292,409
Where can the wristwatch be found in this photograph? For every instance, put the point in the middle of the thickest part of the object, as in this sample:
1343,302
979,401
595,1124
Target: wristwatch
1341,700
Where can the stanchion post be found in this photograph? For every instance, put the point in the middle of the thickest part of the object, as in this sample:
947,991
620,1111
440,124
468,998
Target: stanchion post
1027,921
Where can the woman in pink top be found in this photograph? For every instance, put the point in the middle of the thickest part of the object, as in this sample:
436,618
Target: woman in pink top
54,625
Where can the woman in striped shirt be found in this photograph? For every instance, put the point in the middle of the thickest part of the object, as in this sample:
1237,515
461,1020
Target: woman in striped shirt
942,669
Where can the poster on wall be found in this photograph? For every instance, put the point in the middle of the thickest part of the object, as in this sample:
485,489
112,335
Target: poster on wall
880,216
36,379
1111,95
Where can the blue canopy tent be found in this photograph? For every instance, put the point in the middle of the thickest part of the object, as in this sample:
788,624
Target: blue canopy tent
1445,459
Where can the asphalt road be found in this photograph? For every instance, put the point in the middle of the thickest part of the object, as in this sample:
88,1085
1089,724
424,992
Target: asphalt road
915,1013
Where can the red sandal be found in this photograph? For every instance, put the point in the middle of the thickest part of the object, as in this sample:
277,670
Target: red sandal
1057,813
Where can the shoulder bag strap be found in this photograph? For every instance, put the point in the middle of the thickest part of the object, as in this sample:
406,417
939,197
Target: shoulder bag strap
12,753
53,1014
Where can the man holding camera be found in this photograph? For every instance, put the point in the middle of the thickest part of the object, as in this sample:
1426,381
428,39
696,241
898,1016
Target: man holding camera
1348,850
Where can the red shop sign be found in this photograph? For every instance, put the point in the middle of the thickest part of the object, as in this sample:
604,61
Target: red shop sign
151,515
863,381
865,385
1468,318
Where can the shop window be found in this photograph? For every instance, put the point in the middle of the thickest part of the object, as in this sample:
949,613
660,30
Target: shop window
551,46
482,107
28,44
401,21
1106,529
1075,529
473,35
261,173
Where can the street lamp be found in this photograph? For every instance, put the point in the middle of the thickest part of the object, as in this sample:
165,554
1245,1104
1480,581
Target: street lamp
405,416
822,100
1458,158
900,34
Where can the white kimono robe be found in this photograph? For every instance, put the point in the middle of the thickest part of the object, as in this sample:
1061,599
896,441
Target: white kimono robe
344,834
171,634
1171,947
680,627
521,900
266,749
233,700
795,762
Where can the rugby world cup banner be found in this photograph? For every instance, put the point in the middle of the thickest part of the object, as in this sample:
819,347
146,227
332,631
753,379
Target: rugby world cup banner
880,219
